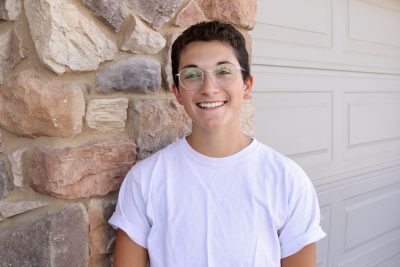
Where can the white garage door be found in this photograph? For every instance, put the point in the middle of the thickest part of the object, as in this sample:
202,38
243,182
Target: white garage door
327,91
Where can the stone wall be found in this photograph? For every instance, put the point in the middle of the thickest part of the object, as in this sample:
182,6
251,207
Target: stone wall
85,93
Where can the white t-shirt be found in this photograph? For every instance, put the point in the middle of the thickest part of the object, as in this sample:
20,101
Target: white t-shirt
249,209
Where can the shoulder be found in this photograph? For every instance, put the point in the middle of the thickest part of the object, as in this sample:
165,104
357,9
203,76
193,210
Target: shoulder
280,167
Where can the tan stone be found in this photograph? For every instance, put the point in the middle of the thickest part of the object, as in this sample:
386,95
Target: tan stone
90,170
9,209
157,123
101,234
66,39
238,12
141,39
10,9
107,115
168,81
17,164
246,117
190,15
32,106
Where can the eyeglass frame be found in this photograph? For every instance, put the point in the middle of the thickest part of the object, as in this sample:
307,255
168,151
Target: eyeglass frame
203,74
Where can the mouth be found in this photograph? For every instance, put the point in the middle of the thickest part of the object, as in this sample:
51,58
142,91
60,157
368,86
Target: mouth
206,105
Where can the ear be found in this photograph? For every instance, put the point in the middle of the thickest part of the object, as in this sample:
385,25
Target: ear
248,86
177,93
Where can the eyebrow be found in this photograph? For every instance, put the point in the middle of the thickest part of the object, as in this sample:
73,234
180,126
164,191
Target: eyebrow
196,66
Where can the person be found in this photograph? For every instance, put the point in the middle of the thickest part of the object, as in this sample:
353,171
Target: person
216,197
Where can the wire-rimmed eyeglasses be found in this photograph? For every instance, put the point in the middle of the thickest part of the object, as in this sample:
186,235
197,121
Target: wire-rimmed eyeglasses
192,78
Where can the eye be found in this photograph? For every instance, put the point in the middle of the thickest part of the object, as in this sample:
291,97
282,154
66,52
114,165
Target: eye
191,74
224,71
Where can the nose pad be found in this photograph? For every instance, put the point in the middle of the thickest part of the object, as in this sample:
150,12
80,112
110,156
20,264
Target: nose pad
209,83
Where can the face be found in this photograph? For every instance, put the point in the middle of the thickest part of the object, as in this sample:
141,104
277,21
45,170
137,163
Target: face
212,106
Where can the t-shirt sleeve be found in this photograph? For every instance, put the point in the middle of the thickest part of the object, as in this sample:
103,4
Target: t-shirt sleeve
130,214
302,224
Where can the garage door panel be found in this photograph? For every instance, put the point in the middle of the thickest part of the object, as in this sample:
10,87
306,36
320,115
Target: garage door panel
297,124
323,245
385,28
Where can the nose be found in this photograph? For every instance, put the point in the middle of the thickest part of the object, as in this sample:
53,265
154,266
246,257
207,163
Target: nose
209,85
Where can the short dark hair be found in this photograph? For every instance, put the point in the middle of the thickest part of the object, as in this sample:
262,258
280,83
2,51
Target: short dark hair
211,31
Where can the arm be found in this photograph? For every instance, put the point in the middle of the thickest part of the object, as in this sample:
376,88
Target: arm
128,253
306,257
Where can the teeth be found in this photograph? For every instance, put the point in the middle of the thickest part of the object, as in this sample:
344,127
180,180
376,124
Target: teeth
211,105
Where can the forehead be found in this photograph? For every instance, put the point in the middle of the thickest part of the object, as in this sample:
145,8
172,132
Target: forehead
207,54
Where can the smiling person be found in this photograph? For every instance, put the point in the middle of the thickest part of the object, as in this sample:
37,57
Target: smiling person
217,197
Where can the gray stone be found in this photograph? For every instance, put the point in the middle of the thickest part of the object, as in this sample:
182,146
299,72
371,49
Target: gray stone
157,12
112,11
9,209
5,183
5,59
10,9
56,240
101,234
66,39
134,74
157,123
141,39
107,115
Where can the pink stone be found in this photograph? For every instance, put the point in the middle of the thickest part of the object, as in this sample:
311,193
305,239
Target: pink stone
189,15
238,12
90,170
32,105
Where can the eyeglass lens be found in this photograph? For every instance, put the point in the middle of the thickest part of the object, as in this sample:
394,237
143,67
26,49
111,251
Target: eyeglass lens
192,78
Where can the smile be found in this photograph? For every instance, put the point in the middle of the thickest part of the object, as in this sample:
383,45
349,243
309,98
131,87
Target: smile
211,104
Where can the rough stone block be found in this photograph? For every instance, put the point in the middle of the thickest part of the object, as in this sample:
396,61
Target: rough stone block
112,11
90,170
32,106
157,123
156,12
1,142
54,240
9,209
17,51
246,117
16,159
239,12
190,15
5,183
168,81
134,74
101,234
10,9
141,39
65,39
5,60
107,115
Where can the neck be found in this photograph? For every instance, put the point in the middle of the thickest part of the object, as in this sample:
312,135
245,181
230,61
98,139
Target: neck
218,143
